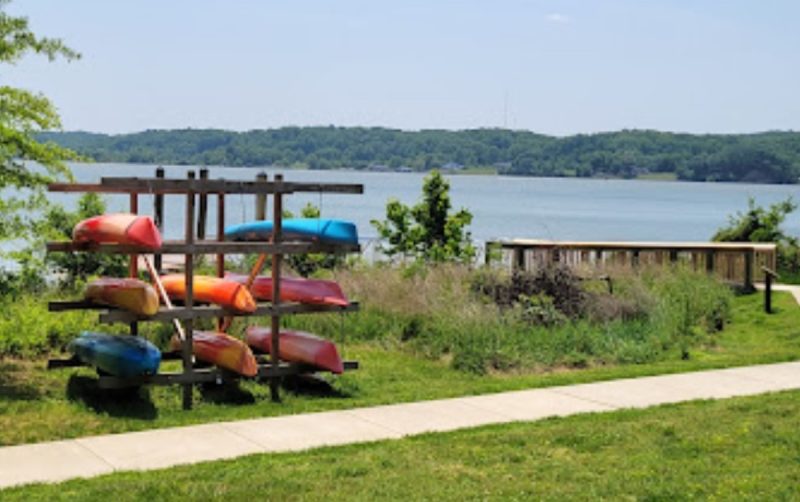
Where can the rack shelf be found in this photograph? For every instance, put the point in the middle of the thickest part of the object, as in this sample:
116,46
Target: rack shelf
205,247
197,312
202,186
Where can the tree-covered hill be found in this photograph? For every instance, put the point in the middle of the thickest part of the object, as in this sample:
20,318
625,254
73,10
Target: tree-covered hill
770,157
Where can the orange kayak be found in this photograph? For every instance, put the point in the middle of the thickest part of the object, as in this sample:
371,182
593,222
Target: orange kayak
228,294
299,347
222,350
294,289
130,294
119,228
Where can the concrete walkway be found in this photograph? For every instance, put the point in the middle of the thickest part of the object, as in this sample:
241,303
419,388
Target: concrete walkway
91,456
790,288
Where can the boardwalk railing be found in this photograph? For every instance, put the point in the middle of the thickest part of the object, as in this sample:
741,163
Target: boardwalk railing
736,262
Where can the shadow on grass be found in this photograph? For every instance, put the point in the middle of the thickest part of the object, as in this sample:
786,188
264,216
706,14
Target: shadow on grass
130,403
312,386
226,393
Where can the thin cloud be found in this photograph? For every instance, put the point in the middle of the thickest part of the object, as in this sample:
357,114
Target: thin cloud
556,17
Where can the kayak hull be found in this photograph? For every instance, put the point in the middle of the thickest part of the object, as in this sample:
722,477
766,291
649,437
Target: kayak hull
298,347
119,355
119,228
223,350
307,229
228,294
294,289
129,294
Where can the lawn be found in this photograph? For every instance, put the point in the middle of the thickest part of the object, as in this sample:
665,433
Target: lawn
38,405
743,448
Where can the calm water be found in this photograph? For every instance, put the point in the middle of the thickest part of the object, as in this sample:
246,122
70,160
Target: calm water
503,207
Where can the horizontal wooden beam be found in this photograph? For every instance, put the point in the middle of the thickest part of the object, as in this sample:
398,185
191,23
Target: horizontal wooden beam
208,375
634,246
206,247
214,311
182,186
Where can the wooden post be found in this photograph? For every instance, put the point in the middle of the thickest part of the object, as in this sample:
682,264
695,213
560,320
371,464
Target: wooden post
748,270
261,198
188,324
202,208
133,264
710,255
635,259
158,216
220,238
673,255
274,383
768,292
518,259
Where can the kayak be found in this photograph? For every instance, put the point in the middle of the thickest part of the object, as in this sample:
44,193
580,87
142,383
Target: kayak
299,347
294,289
119,228
129,294
119,355
206,289
223,350
307,229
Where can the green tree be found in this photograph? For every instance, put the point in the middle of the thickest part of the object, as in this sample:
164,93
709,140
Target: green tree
758,224
428,230
23,115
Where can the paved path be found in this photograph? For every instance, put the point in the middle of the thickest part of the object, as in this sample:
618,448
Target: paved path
91,456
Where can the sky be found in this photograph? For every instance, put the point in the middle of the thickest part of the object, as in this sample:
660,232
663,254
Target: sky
557,67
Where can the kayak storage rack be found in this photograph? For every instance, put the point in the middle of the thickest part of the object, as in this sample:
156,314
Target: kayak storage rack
197,192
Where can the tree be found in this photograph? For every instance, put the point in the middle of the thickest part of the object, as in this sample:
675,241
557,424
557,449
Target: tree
764,225
428,230
23,115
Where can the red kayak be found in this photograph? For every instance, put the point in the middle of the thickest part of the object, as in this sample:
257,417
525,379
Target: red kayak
294,289
222,350
119,228
298,347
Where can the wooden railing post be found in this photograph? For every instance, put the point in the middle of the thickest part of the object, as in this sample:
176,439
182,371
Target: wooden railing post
748,270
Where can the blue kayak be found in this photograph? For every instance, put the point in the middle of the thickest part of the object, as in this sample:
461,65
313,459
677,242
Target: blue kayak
307,229
119,355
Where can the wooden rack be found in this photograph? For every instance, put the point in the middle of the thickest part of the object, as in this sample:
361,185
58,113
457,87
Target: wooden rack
195,243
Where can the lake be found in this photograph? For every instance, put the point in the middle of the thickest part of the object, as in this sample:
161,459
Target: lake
503,207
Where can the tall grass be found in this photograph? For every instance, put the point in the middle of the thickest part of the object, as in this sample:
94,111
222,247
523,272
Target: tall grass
435,312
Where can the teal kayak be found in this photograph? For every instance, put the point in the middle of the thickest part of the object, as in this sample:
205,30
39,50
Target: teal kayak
307,229
119,355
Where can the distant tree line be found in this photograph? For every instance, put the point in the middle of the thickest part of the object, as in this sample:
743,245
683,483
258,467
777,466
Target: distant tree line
769,157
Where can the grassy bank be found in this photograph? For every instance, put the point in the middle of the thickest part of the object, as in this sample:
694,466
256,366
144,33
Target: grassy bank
39,405
744,448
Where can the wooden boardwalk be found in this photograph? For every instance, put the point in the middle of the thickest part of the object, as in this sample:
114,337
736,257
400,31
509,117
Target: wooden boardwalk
735,262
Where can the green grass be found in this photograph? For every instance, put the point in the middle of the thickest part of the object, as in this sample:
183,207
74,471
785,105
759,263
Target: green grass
743,448
39,405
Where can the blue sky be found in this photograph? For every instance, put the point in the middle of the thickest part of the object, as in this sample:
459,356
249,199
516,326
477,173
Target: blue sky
555,67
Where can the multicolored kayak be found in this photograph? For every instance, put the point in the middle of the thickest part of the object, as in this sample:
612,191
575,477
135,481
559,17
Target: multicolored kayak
119,228
299,347
222,350
130,294
207,289
308,229
120,355
293,289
